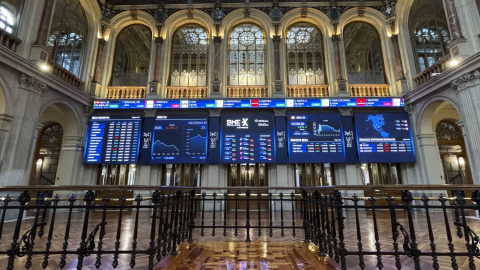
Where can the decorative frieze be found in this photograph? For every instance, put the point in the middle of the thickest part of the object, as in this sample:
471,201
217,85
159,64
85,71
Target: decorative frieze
32,84
467,80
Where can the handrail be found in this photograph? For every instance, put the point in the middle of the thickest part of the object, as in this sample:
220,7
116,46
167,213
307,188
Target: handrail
438,67
326,188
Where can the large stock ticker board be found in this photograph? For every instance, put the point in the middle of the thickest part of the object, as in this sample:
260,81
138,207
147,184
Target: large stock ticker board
315,138
384,137
247,138
112,140
172,139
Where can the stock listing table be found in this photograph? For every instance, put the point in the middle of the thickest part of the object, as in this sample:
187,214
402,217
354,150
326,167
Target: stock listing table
112,141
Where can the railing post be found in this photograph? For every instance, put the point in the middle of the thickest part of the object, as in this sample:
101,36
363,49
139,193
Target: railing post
23,199
156,197
192,215
407,199
176,201
247,193
361,263
304,216
342,252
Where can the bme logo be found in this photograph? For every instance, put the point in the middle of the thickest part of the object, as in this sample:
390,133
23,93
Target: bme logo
237,122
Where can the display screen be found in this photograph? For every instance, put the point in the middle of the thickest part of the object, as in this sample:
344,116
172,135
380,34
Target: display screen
315,138
179,140
112,140
247,103
247,138
384,137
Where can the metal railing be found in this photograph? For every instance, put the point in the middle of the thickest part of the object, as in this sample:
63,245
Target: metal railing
397,231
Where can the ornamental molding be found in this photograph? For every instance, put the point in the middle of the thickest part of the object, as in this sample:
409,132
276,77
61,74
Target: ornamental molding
467,80
32,84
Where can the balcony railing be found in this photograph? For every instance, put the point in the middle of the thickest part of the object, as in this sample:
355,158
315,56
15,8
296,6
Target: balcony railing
8,40
126,92
65,75
187,92
308,90
391,232
432,71
369,90
247,91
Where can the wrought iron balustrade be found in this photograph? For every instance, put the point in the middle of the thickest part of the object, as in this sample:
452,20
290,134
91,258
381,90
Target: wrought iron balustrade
406,231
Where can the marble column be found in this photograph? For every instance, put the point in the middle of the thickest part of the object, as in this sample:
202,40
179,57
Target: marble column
340,83
276,57
45,22
453,22
154,86
398,58
99,62
216,84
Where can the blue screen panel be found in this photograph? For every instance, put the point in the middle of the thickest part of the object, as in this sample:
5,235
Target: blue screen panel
384,137
315,138
247,138
179,140
112,140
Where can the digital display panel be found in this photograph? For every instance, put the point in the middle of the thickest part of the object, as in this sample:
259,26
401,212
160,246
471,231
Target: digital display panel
112,140
315,138
247,138
179,140
247,103
384,137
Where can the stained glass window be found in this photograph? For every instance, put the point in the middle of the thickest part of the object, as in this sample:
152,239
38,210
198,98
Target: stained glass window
304,55
189,56
246,55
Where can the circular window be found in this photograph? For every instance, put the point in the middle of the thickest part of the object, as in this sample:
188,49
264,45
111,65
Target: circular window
247,39
303,37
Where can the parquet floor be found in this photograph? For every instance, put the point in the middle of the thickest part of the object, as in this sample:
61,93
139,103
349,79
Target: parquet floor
232,252
241,255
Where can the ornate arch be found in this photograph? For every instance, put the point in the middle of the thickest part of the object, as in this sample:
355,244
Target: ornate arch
70,120
180,18
426,112
255,16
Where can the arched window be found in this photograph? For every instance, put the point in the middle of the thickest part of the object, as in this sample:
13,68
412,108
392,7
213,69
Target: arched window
363,53
305,55
246,55
68,34
189,56
132,56
6,19
428,25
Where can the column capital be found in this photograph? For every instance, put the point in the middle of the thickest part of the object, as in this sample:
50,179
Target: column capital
345,111
277,38
215,112
149,112
217,39
336,38
467,80
32,84
159,40
280,111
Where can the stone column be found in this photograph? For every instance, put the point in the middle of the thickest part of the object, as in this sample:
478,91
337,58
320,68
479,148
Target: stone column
154,86
429,154
216,84
39,52
468,93
25,128
276,56
71,161
340,83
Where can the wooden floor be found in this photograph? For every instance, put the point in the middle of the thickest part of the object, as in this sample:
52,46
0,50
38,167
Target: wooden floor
241,255
230,252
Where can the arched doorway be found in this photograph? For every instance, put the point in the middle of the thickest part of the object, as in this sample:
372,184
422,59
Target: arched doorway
451,145
47,155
